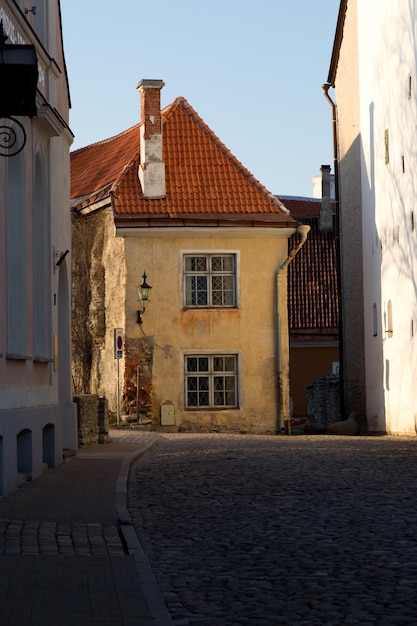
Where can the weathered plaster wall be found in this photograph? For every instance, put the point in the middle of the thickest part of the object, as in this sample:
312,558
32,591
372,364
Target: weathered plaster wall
248,331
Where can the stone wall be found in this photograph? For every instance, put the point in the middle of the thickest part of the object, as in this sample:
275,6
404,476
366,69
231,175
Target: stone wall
93,420
323,398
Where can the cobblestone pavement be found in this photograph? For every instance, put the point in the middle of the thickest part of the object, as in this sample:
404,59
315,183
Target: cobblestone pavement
245,530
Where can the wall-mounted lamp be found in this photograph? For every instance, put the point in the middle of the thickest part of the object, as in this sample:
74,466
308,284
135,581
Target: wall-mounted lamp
143,292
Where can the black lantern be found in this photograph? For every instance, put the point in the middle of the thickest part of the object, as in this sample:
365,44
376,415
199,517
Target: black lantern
18,78
143,292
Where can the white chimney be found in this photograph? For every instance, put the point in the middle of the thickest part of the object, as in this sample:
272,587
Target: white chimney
151,168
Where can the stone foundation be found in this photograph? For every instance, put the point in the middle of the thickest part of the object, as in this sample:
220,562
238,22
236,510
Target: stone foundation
93,419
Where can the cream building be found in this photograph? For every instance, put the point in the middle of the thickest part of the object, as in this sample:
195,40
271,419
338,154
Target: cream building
168,199
37,417
373,69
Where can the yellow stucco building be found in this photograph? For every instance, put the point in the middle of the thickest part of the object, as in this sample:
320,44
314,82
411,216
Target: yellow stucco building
166,204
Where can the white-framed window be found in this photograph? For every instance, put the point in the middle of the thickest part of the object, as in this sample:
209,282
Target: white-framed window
209,280
211,381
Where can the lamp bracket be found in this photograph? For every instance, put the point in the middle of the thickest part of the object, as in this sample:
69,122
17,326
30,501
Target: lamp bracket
59,257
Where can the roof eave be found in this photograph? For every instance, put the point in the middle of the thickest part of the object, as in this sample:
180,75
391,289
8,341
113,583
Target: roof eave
337,43
204,221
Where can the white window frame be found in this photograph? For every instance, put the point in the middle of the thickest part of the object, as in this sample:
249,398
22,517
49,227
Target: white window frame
210,274
206,391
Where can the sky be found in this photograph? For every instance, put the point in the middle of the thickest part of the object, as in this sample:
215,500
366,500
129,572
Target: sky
252,70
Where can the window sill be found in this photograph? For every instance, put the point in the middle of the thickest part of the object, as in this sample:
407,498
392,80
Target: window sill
17,357
199,409
210,308
42,359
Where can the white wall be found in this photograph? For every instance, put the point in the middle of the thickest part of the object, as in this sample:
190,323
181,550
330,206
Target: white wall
387,57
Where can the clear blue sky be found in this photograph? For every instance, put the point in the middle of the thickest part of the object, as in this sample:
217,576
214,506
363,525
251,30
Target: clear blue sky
252,70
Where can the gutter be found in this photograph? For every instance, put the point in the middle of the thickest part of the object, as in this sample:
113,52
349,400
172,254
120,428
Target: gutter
284,424
326,88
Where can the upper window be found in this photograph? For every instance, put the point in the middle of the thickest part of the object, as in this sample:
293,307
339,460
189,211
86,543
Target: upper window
210,280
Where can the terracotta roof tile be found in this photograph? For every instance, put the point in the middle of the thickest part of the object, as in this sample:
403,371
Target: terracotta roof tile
98,165
204,181
313,306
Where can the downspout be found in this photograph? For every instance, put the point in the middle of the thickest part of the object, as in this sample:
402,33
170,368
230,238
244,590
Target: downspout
326,88
284,423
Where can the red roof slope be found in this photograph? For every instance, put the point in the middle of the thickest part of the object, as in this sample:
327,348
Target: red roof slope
301,206
204,181
313,304
98,165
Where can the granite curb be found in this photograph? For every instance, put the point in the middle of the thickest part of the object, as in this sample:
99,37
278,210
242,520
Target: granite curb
147,581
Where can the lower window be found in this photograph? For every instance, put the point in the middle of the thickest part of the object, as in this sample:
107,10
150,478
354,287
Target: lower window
211,381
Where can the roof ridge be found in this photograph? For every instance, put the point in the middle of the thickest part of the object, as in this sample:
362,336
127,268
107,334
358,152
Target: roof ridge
116,184
181,101
107,140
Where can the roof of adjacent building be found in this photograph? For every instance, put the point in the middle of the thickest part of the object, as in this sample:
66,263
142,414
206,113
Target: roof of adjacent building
337,42
205,182
313,303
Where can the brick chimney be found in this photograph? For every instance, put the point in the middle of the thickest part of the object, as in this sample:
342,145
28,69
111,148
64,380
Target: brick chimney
151,169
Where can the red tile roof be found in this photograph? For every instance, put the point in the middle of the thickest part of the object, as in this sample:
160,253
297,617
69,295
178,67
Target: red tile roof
302,207
97,166
205,183
313,306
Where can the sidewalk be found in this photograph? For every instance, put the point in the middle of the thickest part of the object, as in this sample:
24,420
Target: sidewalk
68,551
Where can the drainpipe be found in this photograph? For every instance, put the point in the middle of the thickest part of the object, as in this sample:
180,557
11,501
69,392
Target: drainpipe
326,88
283,364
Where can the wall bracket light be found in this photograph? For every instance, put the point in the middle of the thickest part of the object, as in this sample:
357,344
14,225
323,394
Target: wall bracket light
143,292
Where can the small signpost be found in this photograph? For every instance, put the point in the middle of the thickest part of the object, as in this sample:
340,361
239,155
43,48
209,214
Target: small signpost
118,354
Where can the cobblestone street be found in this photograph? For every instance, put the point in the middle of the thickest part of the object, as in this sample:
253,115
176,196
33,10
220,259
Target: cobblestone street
280,530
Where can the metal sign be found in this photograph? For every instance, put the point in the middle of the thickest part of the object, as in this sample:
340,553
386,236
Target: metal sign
118,343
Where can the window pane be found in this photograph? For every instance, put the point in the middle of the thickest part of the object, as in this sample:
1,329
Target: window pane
228,264
218,364
203,364
222,290
216,264
222,263
218,398
203,399
195,264
230,398
192,399
228,290
203,383
229,383
191,364
218,383
229,363
201,291
196,290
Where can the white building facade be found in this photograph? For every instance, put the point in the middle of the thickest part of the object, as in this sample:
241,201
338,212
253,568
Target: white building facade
37,416
374,72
